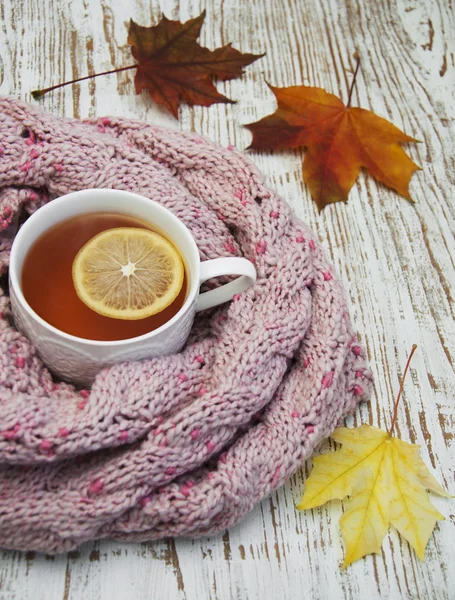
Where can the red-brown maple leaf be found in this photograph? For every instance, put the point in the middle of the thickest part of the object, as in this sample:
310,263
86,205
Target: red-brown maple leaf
173,67
339,141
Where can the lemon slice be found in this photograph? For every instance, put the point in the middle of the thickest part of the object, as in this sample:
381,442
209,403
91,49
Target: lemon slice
128,273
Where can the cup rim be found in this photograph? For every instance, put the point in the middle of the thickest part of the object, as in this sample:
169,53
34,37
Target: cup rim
48,208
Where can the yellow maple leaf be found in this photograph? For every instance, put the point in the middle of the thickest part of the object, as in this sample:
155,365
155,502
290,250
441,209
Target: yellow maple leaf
386,482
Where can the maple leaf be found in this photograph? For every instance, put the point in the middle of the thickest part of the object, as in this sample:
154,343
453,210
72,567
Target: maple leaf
173,67
386,482
339,141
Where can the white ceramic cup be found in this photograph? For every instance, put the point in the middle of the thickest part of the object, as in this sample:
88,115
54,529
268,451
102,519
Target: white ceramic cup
78,359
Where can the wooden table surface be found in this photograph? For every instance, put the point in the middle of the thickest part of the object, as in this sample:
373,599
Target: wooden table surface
396,259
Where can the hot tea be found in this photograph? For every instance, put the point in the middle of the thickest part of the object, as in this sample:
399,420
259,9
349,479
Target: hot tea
47,281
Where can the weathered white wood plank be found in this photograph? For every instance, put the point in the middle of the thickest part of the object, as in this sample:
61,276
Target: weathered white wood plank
397,259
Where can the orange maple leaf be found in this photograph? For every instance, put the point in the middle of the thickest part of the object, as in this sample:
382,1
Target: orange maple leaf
173,67
339,140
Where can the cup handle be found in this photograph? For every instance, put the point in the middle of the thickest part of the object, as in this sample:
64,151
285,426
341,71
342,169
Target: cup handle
225,266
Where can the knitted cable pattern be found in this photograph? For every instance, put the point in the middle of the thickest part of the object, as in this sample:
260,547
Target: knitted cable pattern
183,444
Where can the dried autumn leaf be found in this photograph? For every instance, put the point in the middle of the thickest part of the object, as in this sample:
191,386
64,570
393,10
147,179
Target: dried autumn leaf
173,67
386,481
339,139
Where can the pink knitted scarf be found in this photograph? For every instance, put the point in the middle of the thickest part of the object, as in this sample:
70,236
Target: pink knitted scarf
183,444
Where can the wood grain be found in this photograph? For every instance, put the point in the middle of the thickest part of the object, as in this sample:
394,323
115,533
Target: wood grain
396,258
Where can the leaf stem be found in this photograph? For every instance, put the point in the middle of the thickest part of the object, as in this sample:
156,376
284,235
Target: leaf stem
351,89
395,410
40,93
